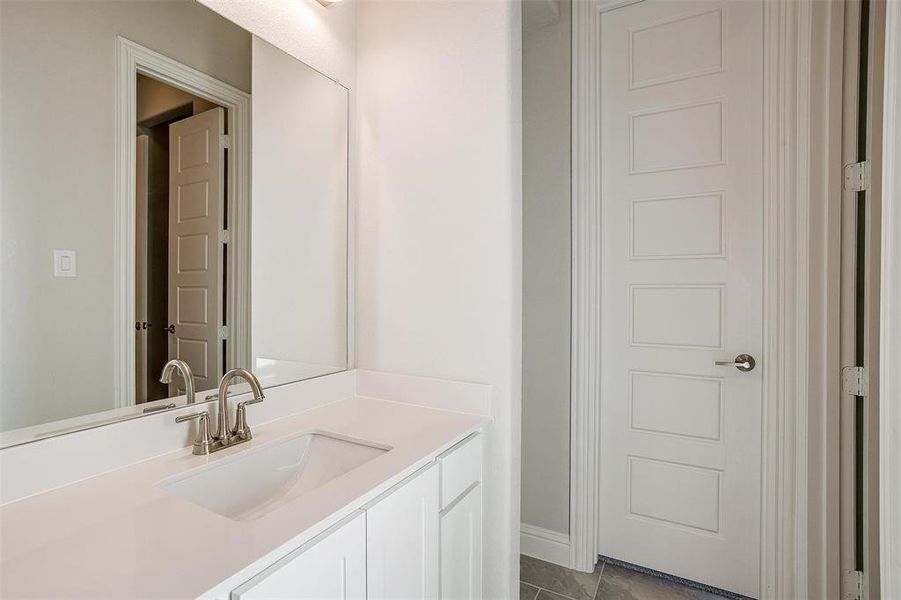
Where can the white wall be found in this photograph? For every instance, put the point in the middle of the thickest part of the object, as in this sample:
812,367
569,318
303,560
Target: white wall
546,269
58,67
439,245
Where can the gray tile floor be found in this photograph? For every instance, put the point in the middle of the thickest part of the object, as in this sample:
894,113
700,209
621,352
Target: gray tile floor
541,580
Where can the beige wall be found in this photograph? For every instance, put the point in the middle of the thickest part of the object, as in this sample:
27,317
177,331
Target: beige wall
546,274
58,70
155,98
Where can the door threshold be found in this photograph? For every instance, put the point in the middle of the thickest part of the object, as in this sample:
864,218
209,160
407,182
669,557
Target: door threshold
673,578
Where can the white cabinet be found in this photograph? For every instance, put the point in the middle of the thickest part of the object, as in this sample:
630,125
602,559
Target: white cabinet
422,540
461,467
402,541
461,520
331,566
461,547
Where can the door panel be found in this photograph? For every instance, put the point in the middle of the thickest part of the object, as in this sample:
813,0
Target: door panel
333,567
402,544
461,548
196,206
681,193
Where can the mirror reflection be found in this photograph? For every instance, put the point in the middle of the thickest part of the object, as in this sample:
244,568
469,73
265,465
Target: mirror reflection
145,217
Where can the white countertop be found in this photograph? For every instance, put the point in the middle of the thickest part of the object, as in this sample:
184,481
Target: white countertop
119,536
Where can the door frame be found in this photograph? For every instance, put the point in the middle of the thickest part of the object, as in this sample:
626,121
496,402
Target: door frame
890,344
787,52
134,59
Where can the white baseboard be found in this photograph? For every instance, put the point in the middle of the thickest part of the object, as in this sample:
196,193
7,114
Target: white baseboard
545,544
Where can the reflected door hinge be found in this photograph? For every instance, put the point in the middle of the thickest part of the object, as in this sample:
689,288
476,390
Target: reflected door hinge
225,236
857,176
223,332
854,381
225,141
852,585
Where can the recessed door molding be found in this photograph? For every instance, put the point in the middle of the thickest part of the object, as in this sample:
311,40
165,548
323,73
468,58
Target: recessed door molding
586,277
134,59
788,48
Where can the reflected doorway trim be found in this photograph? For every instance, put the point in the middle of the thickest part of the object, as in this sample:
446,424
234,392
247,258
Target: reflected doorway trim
134,59
787,52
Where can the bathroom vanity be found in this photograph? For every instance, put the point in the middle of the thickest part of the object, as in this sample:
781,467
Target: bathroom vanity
182,206
361,498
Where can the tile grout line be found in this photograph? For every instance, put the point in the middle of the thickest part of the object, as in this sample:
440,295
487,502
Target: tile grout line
541,589
598,585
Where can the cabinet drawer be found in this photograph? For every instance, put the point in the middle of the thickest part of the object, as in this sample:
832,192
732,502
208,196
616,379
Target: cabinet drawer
461,466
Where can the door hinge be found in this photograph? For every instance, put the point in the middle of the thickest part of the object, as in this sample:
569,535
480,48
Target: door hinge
223,332
225,140
852,585
854,381
225,236
857,176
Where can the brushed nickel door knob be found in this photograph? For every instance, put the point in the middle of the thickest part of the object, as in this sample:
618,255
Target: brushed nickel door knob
742,362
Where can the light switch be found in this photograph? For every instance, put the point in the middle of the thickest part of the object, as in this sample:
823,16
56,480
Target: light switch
64,263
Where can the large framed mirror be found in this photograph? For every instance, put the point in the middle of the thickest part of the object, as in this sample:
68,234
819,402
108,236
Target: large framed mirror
172,188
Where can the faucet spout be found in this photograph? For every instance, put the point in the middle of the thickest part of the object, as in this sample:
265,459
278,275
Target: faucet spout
186,373
223,428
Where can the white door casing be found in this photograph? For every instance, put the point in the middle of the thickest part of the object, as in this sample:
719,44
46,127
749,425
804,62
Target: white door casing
682,286
196,207
890,352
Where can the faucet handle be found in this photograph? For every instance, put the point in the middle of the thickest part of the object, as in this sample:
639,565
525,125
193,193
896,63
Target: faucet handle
242,430
203,442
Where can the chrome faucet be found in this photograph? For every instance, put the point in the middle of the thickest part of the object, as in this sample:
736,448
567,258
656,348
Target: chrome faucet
225,435
186,373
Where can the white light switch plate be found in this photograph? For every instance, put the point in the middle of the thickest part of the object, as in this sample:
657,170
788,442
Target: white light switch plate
64,263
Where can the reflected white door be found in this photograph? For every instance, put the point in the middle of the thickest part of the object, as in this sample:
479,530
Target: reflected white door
196,206
681,135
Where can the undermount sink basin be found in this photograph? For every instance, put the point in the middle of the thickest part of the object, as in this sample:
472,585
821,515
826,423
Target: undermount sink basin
253,483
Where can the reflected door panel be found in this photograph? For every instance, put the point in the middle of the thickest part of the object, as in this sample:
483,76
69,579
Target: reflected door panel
196,205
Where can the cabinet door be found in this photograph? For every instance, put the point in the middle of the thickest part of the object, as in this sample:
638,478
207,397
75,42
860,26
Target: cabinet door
332,566
461,548
402,541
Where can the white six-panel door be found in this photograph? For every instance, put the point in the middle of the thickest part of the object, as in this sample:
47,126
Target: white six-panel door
681,194
196,205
